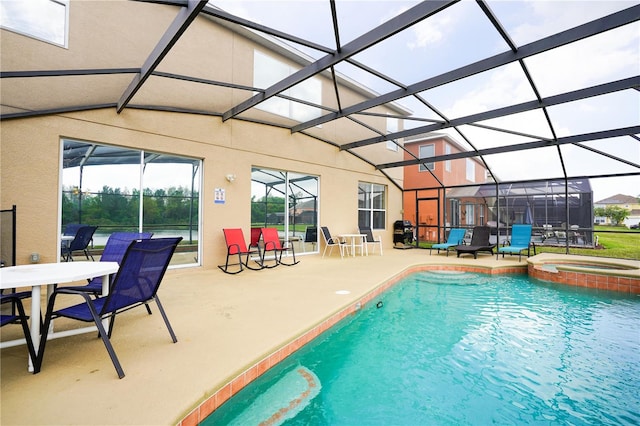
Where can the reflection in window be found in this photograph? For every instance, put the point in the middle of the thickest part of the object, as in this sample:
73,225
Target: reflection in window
287,201
371,205
268,71
102,186
43,19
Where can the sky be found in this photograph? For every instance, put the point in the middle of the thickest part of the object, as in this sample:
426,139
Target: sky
461,35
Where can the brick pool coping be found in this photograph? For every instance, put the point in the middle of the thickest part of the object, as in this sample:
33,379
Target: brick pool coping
567,272
627,281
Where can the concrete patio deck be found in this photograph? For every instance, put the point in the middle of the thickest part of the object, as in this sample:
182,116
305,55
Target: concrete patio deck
224,323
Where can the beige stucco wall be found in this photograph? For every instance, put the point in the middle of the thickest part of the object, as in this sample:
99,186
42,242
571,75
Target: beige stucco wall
122,34
30,160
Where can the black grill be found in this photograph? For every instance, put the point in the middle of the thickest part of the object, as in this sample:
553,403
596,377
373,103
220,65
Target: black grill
402,232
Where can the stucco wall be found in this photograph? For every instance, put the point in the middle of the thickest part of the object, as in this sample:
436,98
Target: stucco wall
30,175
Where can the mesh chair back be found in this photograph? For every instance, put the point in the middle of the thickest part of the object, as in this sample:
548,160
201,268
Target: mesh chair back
255,237
140,273
271,239
327,235
118,243
456,235
369,234
234,238
520,235
83,238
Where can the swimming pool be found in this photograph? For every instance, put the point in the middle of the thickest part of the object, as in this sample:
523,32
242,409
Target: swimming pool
461,348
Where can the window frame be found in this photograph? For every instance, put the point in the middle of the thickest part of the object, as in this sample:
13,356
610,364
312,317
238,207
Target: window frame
431,166
372,213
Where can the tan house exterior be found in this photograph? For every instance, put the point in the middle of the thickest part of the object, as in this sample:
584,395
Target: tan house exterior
31,146
627,202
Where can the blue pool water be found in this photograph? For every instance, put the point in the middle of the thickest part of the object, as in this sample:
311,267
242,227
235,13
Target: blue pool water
461,349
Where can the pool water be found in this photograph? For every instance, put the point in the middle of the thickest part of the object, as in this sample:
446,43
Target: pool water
460,348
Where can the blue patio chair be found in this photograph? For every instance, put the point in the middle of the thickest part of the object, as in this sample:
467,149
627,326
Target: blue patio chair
20,317
81,241
114,251
136,283
456,236
520,241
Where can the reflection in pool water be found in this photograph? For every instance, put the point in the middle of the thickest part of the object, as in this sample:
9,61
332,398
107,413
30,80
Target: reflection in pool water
466,349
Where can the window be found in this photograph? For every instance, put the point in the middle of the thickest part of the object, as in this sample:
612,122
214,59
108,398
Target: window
470,214
371,205
471,170
268,71
287,201
447,163
120,189
426,151
392,127
42,19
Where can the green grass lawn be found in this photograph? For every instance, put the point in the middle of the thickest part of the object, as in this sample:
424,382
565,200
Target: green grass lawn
617,242
610,244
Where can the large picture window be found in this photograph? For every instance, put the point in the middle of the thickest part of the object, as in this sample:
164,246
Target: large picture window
268,71
287,201
103,186
42,19
371,205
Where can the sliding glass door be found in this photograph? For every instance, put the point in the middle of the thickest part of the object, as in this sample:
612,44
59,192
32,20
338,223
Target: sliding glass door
287,201
102,185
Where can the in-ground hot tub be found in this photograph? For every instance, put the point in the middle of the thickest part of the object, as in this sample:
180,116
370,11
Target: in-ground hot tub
587,271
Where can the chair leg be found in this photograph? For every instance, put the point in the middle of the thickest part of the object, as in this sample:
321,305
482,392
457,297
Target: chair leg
105,339
166,320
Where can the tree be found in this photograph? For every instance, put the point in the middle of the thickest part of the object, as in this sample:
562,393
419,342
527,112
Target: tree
616,214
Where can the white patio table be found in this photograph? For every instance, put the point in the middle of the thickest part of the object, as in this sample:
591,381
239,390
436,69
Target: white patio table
38,275
357,240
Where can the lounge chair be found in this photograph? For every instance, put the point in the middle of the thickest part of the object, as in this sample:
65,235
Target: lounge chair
18,317
136,283
479,242
80,242
520,241
236,246
330,241
370,240
455,238
271,241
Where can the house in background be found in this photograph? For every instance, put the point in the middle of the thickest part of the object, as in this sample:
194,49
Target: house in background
627,202
421,206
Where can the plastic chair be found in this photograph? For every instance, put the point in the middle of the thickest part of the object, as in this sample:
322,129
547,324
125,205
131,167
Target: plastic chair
371,240
136,283
236,246
479,242
83,237
520,241
311,236
455,238
20,317
271,241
